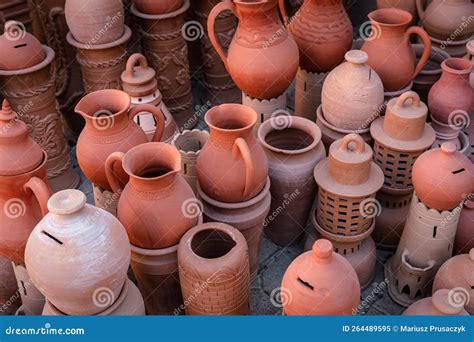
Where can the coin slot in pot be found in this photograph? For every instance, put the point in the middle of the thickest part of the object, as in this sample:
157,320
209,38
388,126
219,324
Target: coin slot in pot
212,243
304,283
458,171
51,237
20,46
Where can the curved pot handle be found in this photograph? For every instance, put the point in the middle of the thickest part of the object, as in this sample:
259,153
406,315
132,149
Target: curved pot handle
41,191
353,138
226,5
115,157
241,146
409,95
415,30
420,9
157,113
136,58
284,13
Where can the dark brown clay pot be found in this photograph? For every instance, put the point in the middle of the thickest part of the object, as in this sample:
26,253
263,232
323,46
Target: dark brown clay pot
110,128
232,146
157,7
156,205
464,235
9,297
439,305
323,31
293,148
214,270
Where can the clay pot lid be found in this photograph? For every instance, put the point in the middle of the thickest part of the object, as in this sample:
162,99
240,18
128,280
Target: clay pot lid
18,152
349,170
404,126
67,202
444,302
139,79
20,49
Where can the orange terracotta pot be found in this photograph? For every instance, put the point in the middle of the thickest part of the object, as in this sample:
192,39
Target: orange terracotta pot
157,7
232,166
439,305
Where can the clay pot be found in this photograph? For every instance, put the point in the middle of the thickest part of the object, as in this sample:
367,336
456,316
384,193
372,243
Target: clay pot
265,108
457,274
95,22
446,20
261,53
110,128
157,7
155,204
248,217
95,246
389,49
232,166
320,25
438,305
320,282
32,300
308,91
442,176
214,270
20,49
293,148
352,93
470,56
453,92
9,298
464,235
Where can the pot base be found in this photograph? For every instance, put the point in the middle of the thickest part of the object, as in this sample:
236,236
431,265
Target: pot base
308,93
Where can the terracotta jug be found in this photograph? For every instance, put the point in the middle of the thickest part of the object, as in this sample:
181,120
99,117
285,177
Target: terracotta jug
323,31
465,233
352,94
110,128
154,204
446,19
232,166
158,7
439,305
78,255
262,57
320,282
452,93
389,48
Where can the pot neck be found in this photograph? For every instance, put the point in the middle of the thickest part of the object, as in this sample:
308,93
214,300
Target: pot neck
256,13
456,72
157,184
323,3
227,137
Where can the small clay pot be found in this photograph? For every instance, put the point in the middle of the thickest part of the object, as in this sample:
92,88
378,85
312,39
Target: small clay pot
9,298
32,300
438,305
464,235
320,282
67,242
157,7
308,91
214,270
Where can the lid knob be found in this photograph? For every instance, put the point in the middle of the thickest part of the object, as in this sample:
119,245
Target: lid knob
323,249
7,113
448,148
357,57
67,202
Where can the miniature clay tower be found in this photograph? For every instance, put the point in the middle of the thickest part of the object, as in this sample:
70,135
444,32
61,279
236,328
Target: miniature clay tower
442,178
401,136
320,282
27,81
345,206
441,304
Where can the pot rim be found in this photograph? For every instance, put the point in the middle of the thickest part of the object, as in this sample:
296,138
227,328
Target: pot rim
84,101
179,11
409,17
232,106
188,132
50,55
126,35
464,64
31,173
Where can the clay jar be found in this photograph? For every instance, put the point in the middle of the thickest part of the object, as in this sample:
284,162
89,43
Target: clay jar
465,234
442,177
262,57
439,305
75,252
323,31
320,282
353,93
457,274
157,7
446,19
154,204
293,148
232,166
453,92
110,128
95,22
389,49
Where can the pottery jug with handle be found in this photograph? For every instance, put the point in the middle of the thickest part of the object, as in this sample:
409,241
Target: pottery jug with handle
110,128
389,49
262,57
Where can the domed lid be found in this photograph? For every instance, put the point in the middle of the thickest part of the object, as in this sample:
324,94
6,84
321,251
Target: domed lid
322,282
20,49
404,126
444,301
18,152
138,79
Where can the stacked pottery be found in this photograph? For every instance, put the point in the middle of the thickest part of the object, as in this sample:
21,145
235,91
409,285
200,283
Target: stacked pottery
323,32
401,136
214,271
232,171
441,178
345,206
262,58
156,206
139,81
28,82
451,103
162,30
441,304
446,24
390,52
98,33
352,97
87,247
464,241
15,10
320,282
293,148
